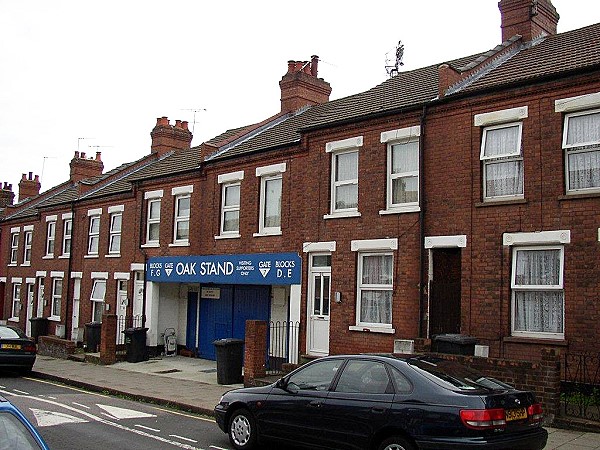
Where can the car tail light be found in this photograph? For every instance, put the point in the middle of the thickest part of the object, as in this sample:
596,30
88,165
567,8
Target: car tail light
535,412
29,348
483,418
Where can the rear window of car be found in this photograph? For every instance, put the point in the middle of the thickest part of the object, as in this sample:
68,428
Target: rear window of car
8,333
15,434
455,376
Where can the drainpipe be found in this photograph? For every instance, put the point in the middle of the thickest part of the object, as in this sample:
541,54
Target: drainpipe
69,329
422,333
140,236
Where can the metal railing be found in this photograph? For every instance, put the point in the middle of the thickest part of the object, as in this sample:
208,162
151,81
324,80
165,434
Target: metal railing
282,345
580,386
124,322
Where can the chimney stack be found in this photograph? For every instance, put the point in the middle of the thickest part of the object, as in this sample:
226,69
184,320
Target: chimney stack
167,137
528,18
7,196
300,86
82,167
29,186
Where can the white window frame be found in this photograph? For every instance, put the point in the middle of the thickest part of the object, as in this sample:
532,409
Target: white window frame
232,208
16,300
514,156
98,302
50,237
516,288
14,247
27,244
94,235
580,147
56,298
180,219
338,148
267,174
114,240
153,221
393,138
373,247
67,234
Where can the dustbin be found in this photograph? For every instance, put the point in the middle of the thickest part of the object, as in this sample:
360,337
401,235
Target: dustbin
456,344
135,344
230,357
93,331
39,327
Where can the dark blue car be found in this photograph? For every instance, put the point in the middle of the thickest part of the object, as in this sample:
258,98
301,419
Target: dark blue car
384,402
16,432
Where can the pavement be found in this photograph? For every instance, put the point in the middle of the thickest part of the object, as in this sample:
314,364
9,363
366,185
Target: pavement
191,384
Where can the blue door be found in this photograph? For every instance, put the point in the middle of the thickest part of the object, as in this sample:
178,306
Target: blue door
191,334
226,317
216,321
250,303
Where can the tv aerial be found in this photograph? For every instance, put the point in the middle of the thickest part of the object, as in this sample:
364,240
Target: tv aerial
392,70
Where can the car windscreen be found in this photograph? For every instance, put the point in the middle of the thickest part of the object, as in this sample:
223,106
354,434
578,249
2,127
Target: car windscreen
455,376
9,333
14,435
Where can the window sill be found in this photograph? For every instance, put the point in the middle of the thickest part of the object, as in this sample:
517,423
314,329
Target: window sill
341,215
48,257
180,244
26,264
516,201
11,265
150,245
13,319
113,255
536,340
66,256
400,210
228,236
54,318
90,256
371,329
579,195
263,234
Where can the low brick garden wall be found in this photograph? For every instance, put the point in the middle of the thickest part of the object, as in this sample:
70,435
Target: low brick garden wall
55,347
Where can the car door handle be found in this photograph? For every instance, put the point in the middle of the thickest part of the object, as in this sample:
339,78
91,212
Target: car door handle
378,410
315,404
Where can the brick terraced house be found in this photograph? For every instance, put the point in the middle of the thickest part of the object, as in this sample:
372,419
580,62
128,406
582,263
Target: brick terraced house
463,197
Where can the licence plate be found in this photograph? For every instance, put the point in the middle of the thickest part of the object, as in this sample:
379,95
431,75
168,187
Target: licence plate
516,414
11,346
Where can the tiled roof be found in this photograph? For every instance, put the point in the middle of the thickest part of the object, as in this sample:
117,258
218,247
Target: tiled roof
170,164
551,56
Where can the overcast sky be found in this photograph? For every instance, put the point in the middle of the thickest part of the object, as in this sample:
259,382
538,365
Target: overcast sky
94,75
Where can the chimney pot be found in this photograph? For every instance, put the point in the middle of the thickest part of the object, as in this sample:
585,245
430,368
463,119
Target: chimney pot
76,154
24,177
184,125
82,155
314,65
177,123
30,176
98,156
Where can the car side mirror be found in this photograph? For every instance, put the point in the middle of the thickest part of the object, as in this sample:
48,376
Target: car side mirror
281,383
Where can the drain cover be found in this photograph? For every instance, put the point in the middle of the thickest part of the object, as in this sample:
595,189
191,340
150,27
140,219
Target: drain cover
208,370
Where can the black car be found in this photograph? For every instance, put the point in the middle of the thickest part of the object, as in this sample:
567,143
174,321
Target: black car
384,402
17,351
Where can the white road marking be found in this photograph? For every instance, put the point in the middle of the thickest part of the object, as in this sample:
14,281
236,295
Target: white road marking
21,392
123,413
51,418
147,428
218,448
182,438
80,405
107,422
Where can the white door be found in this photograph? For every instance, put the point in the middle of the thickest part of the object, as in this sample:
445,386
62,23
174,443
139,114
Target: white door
122,303
138,296
30,304
76,334
40,297
319,293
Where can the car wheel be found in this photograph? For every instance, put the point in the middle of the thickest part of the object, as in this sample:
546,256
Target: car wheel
242,430
395,443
